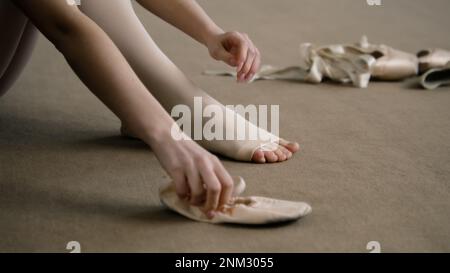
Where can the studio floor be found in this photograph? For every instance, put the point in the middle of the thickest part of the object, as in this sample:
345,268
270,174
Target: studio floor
374,165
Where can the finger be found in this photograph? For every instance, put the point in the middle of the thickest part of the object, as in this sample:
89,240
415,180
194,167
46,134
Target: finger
255,66
181,185
247,65
227,186
239,49
256,60
196,187
213,189
243,73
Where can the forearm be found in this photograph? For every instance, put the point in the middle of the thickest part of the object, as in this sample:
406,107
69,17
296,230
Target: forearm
186,15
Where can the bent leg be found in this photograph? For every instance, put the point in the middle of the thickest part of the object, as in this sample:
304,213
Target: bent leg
20,58
169,85
17,41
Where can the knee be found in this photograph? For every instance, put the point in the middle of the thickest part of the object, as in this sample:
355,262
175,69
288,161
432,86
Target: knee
61,29
57,20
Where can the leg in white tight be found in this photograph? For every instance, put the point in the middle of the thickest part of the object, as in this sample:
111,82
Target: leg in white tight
166,82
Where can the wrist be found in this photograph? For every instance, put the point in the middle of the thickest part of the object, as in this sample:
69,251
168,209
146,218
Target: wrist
157,136
151,131
165,135
209,34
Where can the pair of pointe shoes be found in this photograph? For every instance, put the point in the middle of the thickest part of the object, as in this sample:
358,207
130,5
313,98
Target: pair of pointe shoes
389,64
358,63
434,65
253,210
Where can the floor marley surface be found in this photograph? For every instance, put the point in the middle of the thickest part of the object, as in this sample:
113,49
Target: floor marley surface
374,165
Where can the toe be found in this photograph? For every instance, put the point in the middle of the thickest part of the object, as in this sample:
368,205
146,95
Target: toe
286,152
258,157
270,157
276,153
291,146
281,156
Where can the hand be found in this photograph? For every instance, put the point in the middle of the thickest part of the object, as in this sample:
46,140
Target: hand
237,50
198,175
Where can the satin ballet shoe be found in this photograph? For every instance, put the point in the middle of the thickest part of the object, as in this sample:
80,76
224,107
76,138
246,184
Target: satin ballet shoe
345,66
253,210
432,58
308,71
391,64
436,77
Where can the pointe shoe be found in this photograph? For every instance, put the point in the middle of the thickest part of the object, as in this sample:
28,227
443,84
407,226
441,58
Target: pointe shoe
432,58
341,65
253,210
436,77
391,64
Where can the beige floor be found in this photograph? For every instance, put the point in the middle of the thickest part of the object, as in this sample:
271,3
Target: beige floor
375,163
